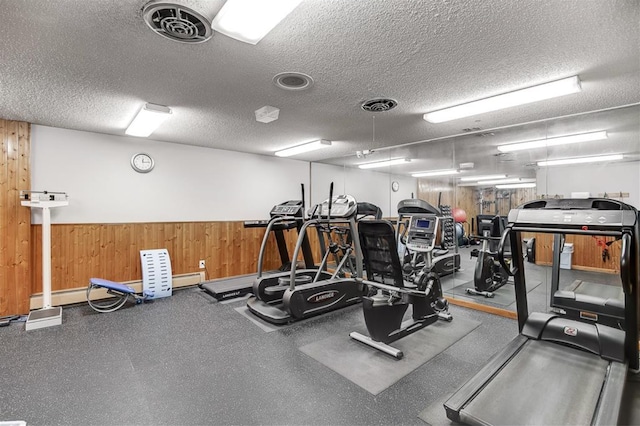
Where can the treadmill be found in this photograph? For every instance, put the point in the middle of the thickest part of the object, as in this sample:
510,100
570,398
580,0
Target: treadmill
284,216
559,370
583,299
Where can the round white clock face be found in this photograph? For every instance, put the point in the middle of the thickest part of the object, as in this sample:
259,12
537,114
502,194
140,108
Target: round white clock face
142,163
395,186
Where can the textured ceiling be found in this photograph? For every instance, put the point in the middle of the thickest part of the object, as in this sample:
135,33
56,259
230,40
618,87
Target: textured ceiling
90,65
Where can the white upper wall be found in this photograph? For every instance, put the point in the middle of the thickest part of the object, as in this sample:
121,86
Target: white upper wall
364,185
595,179
188,183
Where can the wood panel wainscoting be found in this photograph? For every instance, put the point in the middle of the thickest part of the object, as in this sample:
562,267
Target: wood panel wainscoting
587,254
111,251
15,175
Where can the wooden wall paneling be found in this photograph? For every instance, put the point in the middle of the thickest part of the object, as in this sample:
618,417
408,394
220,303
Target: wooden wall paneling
465,200
15,220
111,251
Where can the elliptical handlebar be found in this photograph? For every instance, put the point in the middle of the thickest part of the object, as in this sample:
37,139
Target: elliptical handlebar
510,269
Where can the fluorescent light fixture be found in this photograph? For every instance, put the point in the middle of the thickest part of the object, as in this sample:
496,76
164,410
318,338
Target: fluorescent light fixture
499,181
392,162
306,147
436,173
562,140
250,20
519,97
517,185
477,178
580,160
149,118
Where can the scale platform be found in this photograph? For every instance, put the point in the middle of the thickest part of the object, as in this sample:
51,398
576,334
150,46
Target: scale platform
43,318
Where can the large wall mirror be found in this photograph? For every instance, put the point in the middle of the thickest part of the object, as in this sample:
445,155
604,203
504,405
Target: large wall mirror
485,173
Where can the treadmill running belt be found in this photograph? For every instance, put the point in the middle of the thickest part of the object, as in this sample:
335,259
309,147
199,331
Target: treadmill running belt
602,291
544,384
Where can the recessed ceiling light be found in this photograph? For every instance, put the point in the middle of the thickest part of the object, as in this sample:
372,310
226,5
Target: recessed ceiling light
519,97
293,81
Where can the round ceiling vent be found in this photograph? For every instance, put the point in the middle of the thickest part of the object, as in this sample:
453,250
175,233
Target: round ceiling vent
177,22
379,105
293,81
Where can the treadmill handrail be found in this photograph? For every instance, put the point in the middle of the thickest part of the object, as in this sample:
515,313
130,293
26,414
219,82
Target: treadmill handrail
625,263
263,246
510,269
565,230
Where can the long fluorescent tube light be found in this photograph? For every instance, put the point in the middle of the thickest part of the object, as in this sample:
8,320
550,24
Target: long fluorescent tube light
306,147
499,181
436,173
392,162
517,185
580,160
562,140
478,178
250,20
149,118
531,94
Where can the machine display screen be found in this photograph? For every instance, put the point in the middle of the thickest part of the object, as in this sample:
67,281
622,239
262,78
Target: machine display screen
423,223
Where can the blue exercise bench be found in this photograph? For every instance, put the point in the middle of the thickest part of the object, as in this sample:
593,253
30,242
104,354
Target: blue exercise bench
121,292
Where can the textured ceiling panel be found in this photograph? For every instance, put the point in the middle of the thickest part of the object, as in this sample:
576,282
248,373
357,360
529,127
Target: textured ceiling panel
90,65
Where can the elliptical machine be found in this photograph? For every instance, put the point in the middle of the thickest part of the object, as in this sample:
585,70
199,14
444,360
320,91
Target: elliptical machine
443,259
389,295
489,275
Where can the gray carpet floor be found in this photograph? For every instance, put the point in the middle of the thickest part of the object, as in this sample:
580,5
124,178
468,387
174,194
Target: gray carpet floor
190,360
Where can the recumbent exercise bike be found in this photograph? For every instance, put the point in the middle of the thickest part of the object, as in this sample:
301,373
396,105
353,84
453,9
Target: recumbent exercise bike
389,296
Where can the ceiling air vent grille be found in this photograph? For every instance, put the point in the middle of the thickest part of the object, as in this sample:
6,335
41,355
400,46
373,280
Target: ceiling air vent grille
379,105
177,22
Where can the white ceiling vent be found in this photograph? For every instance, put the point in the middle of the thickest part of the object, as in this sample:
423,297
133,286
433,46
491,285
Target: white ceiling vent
177,22
293,81
379,105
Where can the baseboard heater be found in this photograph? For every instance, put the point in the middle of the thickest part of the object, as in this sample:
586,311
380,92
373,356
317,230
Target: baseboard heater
79,295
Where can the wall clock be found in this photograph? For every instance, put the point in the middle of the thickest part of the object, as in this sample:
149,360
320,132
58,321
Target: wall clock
395,186
142,163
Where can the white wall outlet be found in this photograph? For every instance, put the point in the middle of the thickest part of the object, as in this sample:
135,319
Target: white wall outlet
201,264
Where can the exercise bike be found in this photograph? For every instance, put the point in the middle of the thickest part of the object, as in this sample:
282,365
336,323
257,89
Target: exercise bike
389,296
489,275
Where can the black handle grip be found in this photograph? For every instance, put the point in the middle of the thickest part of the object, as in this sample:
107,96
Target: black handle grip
511,270
304,210
330,200
625,263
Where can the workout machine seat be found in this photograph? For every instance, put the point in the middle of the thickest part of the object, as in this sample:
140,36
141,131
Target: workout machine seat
384,311
121,292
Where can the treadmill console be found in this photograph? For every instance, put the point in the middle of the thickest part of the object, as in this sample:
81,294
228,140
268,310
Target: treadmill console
421,234
288,208
342,207
572,213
